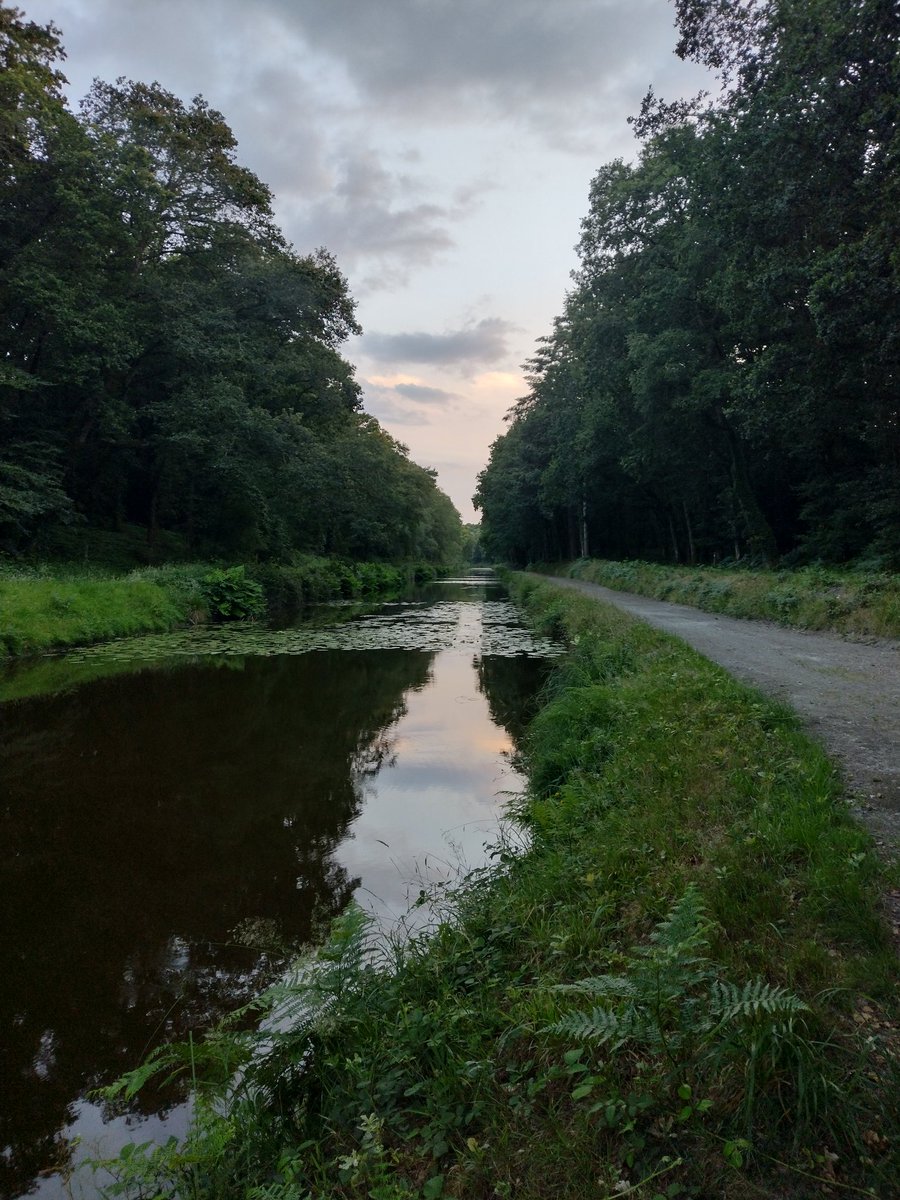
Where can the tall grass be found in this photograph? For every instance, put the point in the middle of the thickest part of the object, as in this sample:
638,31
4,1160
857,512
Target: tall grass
38,612
52,605
853,602
682,987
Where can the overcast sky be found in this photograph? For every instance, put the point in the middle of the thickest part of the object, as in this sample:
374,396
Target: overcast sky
441,149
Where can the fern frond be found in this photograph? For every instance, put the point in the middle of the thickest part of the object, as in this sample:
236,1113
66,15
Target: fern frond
755,999
685,925
601,985
605,1025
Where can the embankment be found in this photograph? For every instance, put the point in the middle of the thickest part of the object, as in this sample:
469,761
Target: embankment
682,986
852,602
51,607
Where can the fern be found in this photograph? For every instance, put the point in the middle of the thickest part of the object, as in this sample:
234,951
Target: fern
755,1001
248,1073
601,985
602,1025
685,927
672,1001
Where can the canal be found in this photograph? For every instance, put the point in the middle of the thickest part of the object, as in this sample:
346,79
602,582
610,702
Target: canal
180,813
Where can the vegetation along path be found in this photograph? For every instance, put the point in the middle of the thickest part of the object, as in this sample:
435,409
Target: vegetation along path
847,693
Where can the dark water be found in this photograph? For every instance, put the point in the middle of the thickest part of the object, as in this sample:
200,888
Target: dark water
168,826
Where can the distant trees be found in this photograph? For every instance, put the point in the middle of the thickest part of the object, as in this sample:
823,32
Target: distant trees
724,379
166,358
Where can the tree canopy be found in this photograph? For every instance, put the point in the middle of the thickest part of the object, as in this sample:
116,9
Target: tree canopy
167,360
723,381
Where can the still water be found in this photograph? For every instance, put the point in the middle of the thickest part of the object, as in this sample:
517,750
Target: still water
179,809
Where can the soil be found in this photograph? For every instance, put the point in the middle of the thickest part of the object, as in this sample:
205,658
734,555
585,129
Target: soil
847,693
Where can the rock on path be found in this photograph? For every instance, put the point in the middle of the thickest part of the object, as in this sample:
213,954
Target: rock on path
846,693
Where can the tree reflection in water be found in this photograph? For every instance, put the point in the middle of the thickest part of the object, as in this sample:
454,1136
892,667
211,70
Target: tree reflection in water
148,817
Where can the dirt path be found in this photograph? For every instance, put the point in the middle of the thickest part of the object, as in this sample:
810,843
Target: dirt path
847,693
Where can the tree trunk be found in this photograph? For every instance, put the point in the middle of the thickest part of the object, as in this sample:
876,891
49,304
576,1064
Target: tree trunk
759,531
692,549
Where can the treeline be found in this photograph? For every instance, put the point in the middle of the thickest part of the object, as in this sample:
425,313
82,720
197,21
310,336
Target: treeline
166,359
723,381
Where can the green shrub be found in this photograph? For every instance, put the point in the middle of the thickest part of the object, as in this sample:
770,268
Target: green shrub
231,596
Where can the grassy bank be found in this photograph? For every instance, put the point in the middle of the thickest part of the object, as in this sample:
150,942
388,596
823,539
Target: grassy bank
52,606
682,987
862,603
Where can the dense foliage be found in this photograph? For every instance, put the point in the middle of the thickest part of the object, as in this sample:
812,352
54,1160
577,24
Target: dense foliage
166,359
723,379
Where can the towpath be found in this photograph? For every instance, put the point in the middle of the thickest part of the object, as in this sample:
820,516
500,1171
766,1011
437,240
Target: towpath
847,693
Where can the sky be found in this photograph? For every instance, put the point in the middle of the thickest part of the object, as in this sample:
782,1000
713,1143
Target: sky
442,150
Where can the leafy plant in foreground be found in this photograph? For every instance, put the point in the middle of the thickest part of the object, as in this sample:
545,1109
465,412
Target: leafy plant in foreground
672,1002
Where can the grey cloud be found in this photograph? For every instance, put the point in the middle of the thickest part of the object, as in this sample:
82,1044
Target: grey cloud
383,403
523,57
372,213
561,67
424,395
256,72
295,117
482,342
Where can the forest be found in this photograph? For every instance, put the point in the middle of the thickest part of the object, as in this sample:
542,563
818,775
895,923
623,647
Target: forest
722,382
170,366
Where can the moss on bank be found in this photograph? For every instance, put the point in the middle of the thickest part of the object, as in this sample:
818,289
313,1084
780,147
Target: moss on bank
861,603
53,606
683,986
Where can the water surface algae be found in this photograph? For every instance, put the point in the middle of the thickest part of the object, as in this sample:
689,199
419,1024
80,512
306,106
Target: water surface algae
490,627
683,986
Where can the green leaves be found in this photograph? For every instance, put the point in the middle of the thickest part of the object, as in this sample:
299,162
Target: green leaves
722,380
168,360
231,595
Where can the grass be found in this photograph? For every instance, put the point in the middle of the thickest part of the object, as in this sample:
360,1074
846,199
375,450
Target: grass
70,607
53,605
859,603
682,986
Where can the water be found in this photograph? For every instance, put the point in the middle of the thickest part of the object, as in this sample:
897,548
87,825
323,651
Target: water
181,809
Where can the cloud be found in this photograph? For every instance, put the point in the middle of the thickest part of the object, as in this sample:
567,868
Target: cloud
484,341
424,395
517,57
403,400
371,213
384,398
394,414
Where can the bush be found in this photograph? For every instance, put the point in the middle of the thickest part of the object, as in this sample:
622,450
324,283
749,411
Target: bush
231,596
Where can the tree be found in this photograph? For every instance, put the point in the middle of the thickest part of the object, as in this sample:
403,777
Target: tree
166,358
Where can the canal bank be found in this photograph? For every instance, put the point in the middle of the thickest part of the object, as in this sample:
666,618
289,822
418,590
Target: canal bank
683,986
53,606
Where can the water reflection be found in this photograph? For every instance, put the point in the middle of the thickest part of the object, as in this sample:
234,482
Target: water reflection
146,817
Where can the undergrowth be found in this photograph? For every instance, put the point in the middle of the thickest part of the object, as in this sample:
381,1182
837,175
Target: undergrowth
683,987
857,602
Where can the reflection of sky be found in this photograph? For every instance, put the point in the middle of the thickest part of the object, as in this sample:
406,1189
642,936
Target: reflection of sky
101,1138
437,803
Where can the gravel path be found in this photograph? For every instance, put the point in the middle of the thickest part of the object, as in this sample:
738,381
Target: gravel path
847,693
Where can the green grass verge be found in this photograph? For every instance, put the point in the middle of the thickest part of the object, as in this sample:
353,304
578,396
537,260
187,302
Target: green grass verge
50,606
40,612
683,986
863,603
